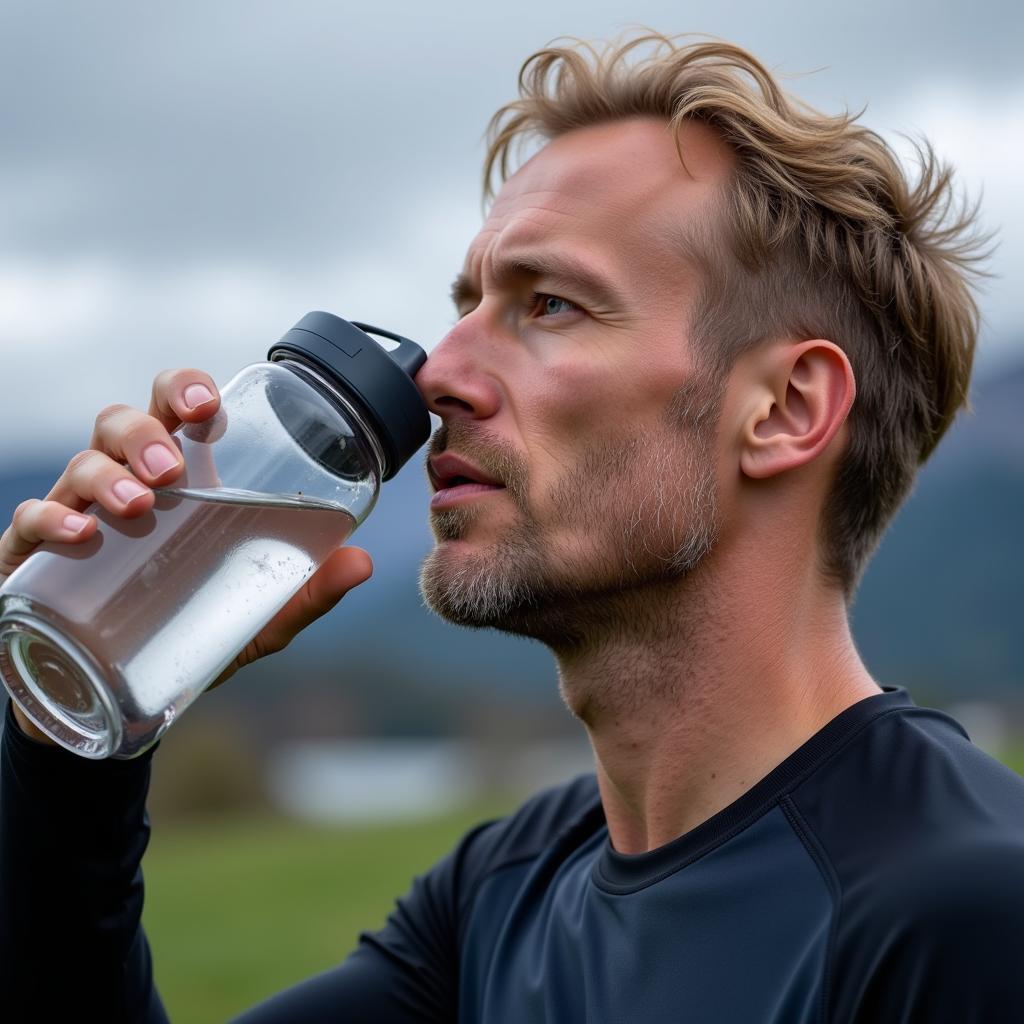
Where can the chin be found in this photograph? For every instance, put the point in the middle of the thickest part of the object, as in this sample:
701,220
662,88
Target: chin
482,589
451,524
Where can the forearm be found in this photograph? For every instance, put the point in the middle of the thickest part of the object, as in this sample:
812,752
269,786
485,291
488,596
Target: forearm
72,836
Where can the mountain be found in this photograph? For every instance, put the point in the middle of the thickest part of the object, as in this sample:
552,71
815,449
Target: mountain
939,609
940,606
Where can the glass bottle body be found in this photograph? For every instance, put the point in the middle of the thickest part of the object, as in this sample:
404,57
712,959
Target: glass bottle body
104,643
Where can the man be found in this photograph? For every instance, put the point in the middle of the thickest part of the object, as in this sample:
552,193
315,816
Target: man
706,337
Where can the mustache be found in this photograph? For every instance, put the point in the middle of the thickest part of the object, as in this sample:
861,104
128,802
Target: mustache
495,456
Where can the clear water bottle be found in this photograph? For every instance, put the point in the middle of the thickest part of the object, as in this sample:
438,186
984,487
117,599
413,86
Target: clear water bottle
103,644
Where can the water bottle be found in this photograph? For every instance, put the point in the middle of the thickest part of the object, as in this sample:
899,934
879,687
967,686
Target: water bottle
103,644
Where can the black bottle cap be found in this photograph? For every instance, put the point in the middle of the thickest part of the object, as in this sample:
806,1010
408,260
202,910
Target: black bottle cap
378,382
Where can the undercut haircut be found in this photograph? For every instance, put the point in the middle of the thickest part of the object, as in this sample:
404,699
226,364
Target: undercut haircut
820,233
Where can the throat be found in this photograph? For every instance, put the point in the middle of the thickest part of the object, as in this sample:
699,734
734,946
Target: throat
683,724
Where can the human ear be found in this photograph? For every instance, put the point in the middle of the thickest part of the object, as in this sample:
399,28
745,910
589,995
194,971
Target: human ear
802,394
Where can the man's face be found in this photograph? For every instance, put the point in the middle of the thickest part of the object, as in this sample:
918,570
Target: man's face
569,382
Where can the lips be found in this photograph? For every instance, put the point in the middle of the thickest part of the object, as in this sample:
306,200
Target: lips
454,479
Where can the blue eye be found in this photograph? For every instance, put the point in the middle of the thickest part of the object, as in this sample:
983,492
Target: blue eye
552,305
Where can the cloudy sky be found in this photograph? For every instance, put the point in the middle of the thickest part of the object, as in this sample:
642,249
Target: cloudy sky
180,182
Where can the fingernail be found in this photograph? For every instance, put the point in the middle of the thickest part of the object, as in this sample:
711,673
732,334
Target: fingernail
128,490
158,459
197,395
75,523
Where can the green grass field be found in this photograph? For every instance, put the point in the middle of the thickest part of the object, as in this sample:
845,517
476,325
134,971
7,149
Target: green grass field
237,910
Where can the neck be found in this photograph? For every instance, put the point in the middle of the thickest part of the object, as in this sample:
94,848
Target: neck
690,704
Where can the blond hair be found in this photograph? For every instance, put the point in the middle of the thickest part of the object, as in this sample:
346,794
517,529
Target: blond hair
819,234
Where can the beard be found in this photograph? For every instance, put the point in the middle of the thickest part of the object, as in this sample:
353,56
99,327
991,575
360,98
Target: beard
636,515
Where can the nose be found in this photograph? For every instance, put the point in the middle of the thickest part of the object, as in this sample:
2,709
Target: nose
453,381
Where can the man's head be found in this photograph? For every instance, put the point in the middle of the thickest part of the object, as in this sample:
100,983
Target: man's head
658,324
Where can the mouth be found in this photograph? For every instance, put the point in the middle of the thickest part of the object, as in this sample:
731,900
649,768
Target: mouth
456,481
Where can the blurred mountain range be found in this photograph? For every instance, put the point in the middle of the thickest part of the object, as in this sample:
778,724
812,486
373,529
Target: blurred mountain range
939,609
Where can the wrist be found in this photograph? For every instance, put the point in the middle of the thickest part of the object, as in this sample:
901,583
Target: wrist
29,728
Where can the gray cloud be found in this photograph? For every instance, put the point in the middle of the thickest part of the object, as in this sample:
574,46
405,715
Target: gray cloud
179,182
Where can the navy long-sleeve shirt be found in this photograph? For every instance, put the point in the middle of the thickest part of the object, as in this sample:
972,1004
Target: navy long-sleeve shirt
875,876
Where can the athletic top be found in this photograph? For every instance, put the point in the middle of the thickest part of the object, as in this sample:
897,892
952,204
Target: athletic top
875,876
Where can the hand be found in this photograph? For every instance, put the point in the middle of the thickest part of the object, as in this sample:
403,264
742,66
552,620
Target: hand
130,453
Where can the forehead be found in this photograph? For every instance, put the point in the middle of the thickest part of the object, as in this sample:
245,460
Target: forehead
620,190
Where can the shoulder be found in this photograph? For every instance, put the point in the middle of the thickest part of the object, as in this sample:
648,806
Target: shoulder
911,808
563,814
935,936
923,836
426,920
908,784
550,816
976,882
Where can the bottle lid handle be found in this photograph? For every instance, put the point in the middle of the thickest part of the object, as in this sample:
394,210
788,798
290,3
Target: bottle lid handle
408,355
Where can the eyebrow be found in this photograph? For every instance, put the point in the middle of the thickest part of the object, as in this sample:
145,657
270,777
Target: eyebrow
463,290
561,269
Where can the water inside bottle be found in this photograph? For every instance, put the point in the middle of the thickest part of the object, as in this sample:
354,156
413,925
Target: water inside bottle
163,603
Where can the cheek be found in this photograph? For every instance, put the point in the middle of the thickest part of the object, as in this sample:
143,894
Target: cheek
577,403
571,409
573,424
592,395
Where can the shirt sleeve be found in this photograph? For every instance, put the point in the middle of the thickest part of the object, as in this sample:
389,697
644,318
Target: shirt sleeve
943,943
72,836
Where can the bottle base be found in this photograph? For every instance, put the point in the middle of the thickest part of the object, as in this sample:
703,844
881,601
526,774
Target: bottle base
55,682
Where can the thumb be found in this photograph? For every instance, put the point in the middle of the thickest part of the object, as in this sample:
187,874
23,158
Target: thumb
345,569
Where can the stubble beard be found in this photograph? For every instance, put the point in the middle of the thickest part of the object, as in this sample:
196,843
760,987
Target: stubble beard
642,514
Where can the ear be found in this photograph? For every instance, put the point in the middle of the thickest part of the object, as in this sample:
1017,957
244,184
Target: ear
801,396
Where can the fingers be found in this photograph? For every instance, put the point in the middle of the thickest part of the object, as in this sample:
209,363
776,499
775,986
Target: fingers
130,453
91,477
183,396
144,440
35,521
129,435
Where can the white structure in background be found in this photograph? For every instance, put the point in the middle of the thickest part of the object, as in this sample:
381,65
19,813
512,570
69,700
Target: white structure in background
371,780
352,781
